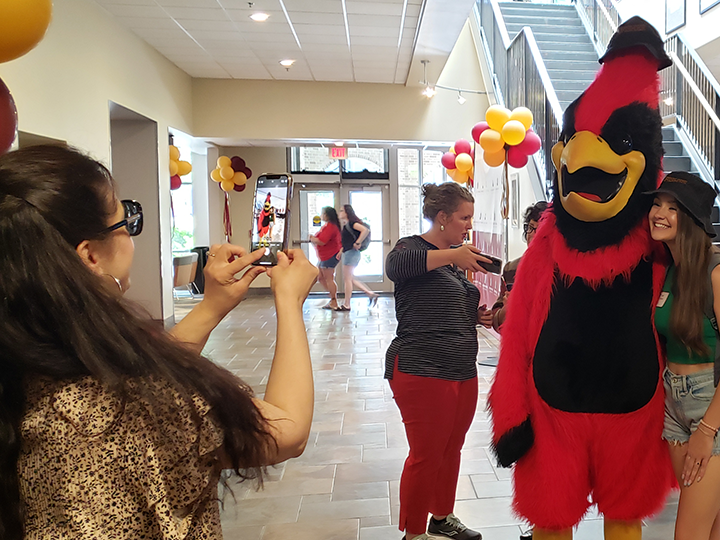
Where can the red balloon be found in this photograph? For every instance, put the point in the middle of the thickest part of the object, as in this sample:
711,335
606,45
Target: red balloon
462,147
8,118
478,129
530,144
516,157
472,154
175,182
448,160
240,188
248,173
237,163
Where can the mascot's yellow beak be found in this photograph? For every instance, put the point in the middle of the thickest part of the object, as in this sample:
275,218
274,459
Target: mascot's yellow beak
595,183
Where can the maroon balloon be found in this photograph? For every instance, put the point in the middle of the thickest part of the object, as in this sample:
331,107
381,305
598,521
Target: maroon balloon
8,118
240,188
247,172
448,160
462,147
175,182
478,129
237,163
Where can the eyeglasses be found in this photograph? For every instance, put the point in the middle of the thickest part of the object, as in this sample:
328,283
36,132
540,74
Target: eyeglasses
529,228
133,218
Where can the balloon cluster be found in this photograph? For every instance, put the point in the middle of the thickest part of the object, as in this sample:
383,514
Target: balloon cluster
507,135
22,25
231,173
177,168
460,162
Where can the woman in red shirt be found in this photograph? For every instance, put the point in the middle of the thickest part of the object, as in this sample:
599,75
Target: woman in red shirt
327,243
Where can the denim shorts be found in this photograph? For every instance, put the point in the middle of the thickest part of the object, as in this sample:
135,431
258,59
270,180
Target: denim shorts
351,258
332,262
687,398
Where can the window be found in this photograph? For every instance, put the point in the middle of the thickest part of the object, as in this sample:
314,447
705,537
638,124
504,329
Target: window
360,161
182,208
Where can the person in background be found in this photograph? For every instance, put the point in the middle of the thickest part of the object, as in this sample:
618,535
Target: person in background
354,232
531,220
328,246
685,318
109,426
431,363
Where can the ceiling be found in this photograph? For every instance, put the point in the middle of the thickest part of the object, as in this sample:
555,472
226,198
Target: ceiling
368,41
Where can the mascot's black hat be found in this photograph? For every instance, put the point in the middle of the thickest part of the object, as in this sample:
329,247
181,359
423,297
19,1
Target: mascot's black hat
634,32
694,194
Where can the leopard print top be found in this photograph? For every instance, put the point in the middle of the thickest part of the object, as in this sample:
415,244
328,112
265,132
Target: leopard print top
94,466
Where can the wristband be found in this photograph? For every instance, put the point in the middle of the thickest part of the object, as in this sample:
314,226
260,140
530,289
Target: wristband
705,424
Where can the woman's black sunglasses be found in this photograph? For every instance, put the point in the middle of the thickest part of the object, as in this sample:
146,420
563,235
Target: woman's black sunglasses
133,218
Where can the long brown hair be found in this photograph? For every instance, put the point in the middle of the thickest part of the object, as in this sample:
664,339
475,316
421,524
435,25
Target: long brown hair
691,284
57,319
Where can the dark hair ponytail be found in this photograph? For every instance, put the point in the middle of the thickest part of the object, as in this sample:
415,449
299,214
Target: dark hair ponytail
351,215
332,216
58,320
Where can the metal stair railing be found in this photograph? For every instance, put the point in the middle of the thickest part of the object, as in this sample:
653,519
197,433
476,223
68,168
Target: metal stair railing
521,79
602,18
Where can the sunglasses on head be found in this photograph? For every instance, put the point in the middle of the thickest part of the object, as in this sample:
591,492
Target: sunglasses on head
133,218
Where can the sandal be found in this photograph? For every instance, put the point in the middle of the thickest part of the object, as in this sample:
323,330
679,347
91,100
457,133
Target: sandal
373,300
342,308
328,306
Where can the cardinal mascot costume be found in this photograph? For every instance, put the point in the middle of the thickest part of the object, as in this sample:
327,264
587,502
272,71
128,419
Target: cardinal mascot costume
265,218
577,401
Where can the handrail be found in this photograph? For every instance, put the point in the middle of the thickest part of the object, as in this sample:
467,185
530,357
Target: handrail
696,90
542,71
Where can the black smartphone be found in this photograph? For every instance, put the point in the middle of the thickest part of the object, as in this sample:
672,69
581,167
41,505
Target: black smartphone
494,267
271,216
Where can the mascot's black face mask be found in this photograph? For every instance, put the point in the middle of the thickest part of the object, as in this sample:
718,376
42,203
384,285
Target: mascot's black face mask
610,148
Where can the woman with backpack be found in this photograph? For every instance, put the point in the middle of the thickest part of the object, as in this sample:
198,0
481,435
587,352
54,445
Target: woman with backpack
685,320
354,233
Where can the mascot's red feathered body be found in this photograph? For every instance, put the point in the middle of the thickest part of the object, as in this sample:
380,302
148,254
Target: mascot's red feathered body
577,400
265,218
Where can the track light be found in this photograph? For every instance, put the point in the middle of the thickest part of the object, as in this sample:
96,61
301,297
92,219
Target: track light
461,99
429,91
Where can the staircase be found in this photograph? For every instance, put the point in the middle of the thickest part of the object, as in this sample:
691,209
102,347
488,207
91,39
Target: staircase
564,44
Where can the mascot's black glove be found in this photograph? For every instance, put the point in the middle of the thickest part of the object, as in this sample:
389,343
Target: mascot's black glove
514,444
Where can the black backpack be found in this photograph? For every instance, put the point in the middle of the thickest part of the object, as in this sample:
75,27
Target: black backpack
365,243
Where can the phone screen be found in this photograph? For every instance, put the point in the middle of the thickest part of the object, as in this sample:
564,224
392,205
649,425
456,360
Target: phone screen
271,216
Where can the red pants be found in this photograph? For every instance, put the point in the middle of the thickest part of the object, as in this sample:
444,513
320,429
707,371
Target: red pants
437,414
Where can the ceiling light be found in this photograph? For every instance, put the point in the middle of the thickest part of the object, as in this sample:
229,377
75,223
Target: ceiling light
461,99
338,143
287,63
259,17
429,91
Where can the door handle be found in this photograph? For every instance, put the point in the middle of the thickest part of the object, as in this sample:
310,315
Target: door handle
299,242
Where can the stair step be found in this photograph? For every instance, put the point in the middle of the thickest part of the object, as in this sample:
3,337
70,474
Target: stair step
539,10
673,149
568,95
575,86
668,134
542,19
567,39
572,65
677,163
589,56
541,28
555,45
571,75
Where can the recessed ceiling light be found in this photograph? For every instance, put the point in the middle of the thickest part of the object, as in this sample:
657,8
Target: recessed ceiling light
338,143
259,17
286,63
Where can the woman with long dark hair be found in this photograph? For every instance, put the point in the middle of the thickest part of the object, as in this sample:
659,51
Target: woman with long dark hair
685,318
327,243
109,427
354,232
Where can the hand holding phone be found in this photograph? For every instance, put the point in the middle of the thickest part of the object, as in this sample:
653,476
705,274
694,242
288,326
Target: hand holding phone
271,216
494,266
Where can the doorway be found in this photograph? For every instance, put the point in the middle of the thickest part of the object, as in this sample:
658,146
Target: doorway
370,202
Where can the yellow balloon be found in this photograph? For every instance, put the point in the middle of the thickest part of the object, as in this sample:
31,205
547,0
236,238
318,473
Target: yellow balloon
174,153
173,167
463,162
494,159
184,167
22,26
227,185
215,175
491,141
471,172
223,161
239,179
460,176
227,173
513,132
496,116
522,115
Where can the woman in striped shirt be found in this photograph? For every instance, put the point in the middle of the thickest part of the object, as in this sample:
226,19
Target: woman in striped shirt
431,362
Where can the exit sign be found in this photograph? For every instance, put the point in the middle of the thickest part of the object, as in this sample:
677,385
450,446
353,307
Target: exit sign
338,152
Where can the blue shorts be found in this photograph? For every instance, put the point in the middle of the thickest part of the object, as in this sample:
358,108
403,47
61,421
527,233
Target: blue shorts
332,262
351,258
687,398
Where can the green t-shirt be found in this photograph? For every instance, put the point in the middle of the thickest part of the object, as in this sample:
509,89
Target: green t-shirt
676,351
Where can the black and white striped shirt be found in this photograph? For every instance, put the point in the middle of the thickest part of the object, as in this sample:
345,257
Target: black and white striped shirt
436,313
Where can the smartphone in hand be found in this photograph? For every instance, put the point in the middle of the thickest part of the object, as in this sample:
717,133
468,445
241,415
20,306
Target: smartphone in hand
271,216
494,267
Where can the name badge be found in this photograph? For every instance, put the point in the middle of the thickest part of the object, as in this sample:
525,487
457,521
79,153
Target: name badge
663,298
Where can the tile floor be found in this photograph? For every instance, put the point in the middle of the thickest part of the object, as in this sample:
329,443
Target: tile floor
345,485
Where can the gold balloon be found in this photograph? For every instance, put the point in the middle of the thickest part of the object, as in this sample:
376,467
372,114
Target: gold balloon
496,116
227,173
239,179
173,167
463,162
513,132
491,141
223,161
184,167
494,159
227,185
215,175
22,26
460,176
174,153
522,115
